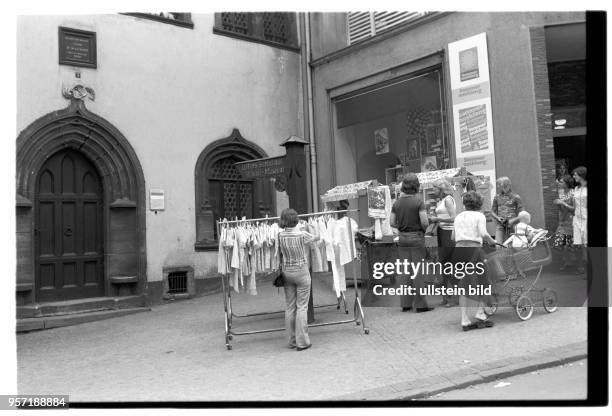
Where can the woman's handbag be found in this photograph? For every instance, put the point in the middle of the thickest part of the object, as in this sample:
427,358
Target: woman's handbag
280,280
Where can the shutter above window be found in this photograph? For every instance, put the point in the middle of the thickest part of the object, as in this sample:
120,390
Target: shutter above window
362,25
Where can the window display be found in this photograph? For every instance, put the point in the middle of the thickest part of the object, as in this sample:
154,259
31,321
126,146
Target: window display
388,131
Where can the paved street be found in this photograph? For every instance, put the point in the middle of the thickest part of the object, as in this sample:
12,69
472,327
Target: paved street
176,352
566,382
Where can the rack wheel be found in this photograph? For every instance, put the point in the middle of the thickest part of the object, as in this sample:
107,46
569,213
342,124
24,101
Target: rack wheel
229,347
523,308
357,323
230,337
549,299
366,331
346,312
492,308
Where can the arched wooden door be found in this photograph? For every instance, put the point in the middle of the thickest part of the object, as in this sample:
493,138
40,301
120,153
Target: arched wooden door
69,229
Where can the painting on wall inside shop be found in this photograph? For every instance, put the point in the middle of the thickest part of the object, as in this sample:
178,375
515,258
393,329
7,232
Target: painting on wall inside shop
381,141
433,136
429,164
412,149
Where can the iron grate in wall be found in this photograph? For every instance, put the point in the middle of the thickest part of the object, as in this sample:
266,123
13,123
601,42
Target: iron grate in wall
177,282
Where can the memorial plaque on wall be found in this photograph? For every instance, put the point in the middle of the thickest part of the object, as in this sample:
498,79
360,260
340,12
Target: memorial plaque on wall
77,47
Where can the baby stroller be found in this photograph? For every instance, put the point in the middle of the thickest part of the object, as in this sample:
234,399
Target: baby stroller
507,270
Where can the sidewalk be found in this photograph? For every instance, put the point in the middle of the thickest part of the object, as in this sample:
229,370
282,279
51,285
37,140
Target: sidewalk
177,352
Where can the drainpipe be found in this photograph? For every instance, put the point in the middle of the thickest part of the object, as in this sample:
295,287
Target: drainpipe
305,26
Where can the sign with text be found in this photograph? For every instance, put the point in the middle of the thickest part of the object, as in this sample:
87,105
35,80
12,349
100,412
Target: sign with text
471,99
77,47
268,167
157,200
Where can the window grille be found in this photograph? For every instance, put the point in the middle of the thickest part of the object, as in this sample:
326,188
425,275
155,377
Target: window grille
177,282
362,25
235,22
273,28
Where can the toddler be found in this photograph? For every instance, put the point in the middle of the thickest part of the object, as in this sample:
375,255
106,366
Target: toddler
524,234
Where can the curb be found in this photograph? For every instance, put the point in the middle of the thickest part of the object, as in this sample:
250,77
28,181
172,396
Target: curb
471,375
49,322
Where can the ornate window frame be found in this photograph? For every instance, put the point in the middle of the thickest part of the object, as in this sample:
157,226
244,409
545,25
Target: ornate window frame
238,147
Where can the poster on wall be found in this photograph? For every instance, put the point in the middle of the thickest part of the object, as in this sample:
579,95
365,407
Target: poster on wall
381,141
473,128
471,103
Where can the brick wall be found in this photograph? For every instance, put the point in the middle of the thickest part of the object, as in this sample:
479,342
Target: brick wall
567,83
546,145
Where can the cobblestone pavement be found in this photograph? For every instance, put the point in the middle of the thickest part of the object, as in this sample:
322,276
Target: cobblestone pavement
176,352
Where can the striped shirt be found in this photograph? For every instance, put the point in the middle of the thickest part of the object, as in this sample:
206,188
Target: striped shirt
292,245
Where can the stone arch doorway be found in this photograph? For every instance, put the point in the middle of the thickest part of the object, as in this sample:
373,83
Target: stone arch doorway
108,163
221,191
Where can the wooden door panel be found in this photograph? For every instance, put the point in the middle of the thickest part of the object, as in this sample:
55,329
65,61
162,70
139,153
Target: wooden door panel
69,247
90,229
46,236
68,228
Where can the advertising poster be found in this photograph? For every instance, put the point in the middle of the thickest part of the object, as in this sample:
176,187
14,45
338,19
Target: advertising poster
471,102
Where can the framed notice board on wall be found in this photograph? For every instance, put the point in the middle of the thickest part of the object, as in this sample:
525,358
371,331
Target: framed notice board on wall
77,47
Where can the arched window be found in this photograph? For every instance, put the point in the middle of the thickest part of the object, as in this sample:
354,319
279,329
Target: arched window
222,191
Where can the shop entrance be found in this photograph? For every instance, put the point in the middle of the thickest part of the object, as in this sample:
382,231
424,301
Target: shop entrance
566,67
69,229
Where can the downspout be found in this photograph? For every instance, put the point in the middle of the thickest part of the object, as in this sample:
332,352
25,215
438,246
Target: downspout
305,20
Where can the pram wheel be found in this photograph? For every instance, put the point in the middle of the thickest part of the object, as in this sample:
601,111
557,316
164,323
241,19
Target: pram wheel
491,308
523,308
549,299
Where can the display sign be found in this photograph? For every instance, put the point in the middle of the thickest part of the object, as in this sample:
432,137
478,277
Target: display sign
157,199
268,167
77,47
471,99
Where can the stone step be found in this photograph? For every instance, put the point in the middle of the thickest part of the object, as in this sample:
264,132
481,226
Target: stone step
48,322
73,306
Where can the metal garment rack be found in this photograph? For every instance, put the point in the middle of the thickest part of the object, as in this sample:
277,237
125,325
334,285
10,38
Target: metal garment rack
358,315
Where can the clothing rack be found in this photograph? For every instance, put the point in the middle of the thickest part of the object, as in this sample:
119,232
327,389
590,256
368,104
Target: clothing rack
358,315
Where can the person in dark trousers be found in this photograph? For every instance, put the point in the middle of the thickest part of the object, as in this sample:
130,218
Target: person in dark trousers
408,215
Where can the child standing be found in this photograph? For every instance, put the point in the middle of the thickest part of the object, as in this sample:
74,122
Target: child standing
505,208
563,238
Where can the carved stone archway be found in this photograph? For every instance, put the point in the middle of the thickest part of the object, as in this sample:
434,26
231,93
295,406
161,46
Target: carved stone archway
237,148
123,194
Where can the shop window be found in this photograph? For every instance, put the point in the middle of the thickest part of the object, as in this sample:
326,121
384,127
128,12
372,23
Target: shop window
273,28
222,191
362,25
390,129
